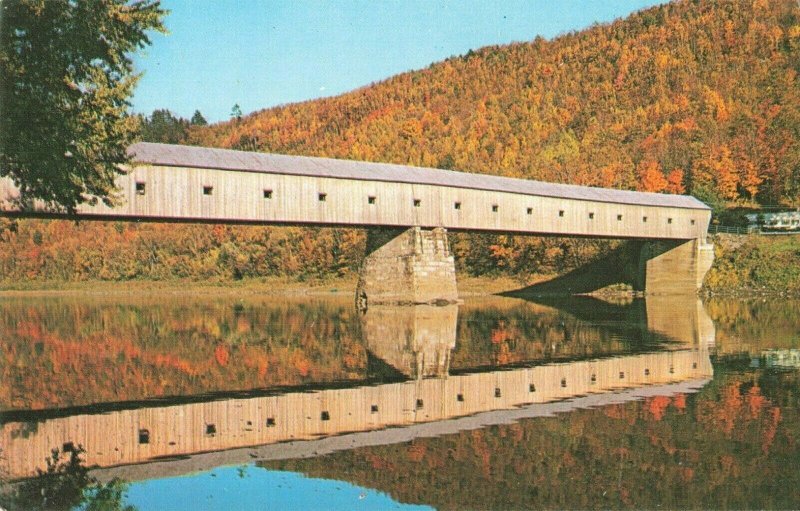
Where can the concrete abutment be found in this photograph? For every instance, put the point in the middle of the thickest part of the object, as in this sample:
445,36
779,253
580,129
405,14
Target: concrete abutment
411,266
674,267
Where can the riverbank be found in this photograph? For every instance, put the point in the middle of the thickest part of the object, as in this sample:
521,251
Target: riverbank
743,266
754,265
467,286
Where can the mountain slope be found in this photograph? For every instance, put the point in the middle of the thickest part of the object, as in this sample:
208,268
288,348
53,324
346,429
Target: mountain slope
696,96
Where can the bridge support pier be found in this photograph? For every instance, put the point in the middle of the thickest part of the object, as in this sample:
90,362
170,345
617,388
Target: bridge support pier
412,266
674,267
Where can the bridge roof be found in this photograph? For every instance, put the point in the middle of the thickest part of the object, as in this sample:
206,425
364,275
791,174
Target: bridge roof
226,159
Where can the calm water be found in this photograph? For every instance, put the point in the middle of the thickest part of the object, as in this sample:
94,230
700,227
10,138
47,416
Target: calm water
168,402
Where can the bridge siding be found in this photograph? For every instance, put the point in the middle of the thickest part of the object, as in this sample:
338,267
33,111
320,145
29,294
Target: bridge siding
112,438
177,193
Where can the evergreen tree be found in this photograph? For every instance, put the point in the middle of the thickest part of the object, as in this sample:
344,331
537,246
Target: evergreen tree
198,119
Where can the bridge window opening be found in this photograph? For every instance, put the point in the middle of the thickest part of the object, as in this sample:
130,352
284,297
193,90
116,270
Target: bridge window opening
68,447
495,208
694,365
325,415
144,436
644,219
270,422
619,218
647,372
322,197
417,203
591,216
457,205
420,404
561,212
460,398
208,190
530,211
373,409
371,199
211,429
671,369
267,194
498,392
692,222
669,220
593,379
531,388
621,375
140,187
563,383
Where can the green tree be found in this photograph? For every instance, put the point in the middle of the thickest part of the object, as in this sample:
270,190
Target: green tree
236,112
198,119
164,127
65,78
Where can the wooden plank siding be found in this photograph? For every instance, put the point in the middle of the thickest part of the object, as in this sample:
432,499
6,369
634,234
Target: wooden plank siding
113,438
181,193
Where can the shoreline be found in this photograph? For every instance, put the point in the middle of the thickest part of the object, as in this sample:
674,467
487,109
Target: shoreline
468,286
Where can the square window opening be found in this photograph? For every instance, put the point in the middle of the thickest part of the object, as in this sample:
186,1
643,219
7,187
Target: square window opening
144,436
669,220
270,422
371,199
208,190
619,218
591,216
267,194
322,197
460,398
140,188
498,392
563,383
530,211
495,208
644,219
211,429
692,222
373,408
457,205
417,203
420,404
561,212
531,388
325,415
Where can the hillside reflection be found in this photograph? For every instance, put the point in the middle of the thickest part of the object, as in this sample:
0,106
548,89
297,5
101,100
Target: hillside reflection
68,352
366,372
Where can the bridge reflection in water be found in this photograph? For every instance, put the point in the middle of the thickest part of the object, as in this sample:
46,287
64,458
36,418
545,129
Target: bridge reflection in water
415,342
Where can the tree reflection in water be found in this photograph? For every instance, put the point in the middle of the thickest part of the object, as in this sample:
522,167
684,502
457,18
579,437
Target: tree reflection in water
66,484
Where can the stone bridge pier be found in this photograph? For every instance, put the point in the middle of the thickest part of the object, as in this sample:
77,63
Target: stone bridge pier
411,266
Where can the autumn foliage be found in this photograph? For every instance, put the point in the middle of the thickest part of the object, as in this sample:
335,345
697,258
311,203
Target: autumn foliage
701,97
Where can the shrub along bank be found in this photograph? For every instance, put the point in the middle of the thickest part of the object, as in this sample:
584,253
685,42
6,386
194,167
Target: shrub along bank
755,265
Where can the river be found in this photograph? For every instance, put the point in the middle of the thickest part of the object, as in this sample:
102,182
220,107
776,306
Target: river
166,401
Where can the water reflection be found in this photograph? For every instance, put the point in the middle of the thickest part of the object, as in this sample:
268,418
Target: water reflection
378,369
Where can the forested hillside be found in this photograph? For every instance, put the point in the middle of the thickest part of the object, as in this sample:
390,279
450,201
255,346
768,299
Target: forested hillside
697,97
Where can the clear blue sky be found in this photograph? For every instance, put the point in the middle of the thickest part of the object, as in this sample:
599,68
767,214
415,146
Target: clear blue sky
261,53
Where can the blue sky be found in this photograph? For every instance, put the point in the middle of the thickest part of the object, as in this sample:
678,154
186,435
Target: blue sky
262,53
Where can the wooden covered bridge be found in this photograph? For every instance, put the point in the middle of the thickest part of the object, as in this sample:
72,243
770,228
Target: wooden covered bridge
198,184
